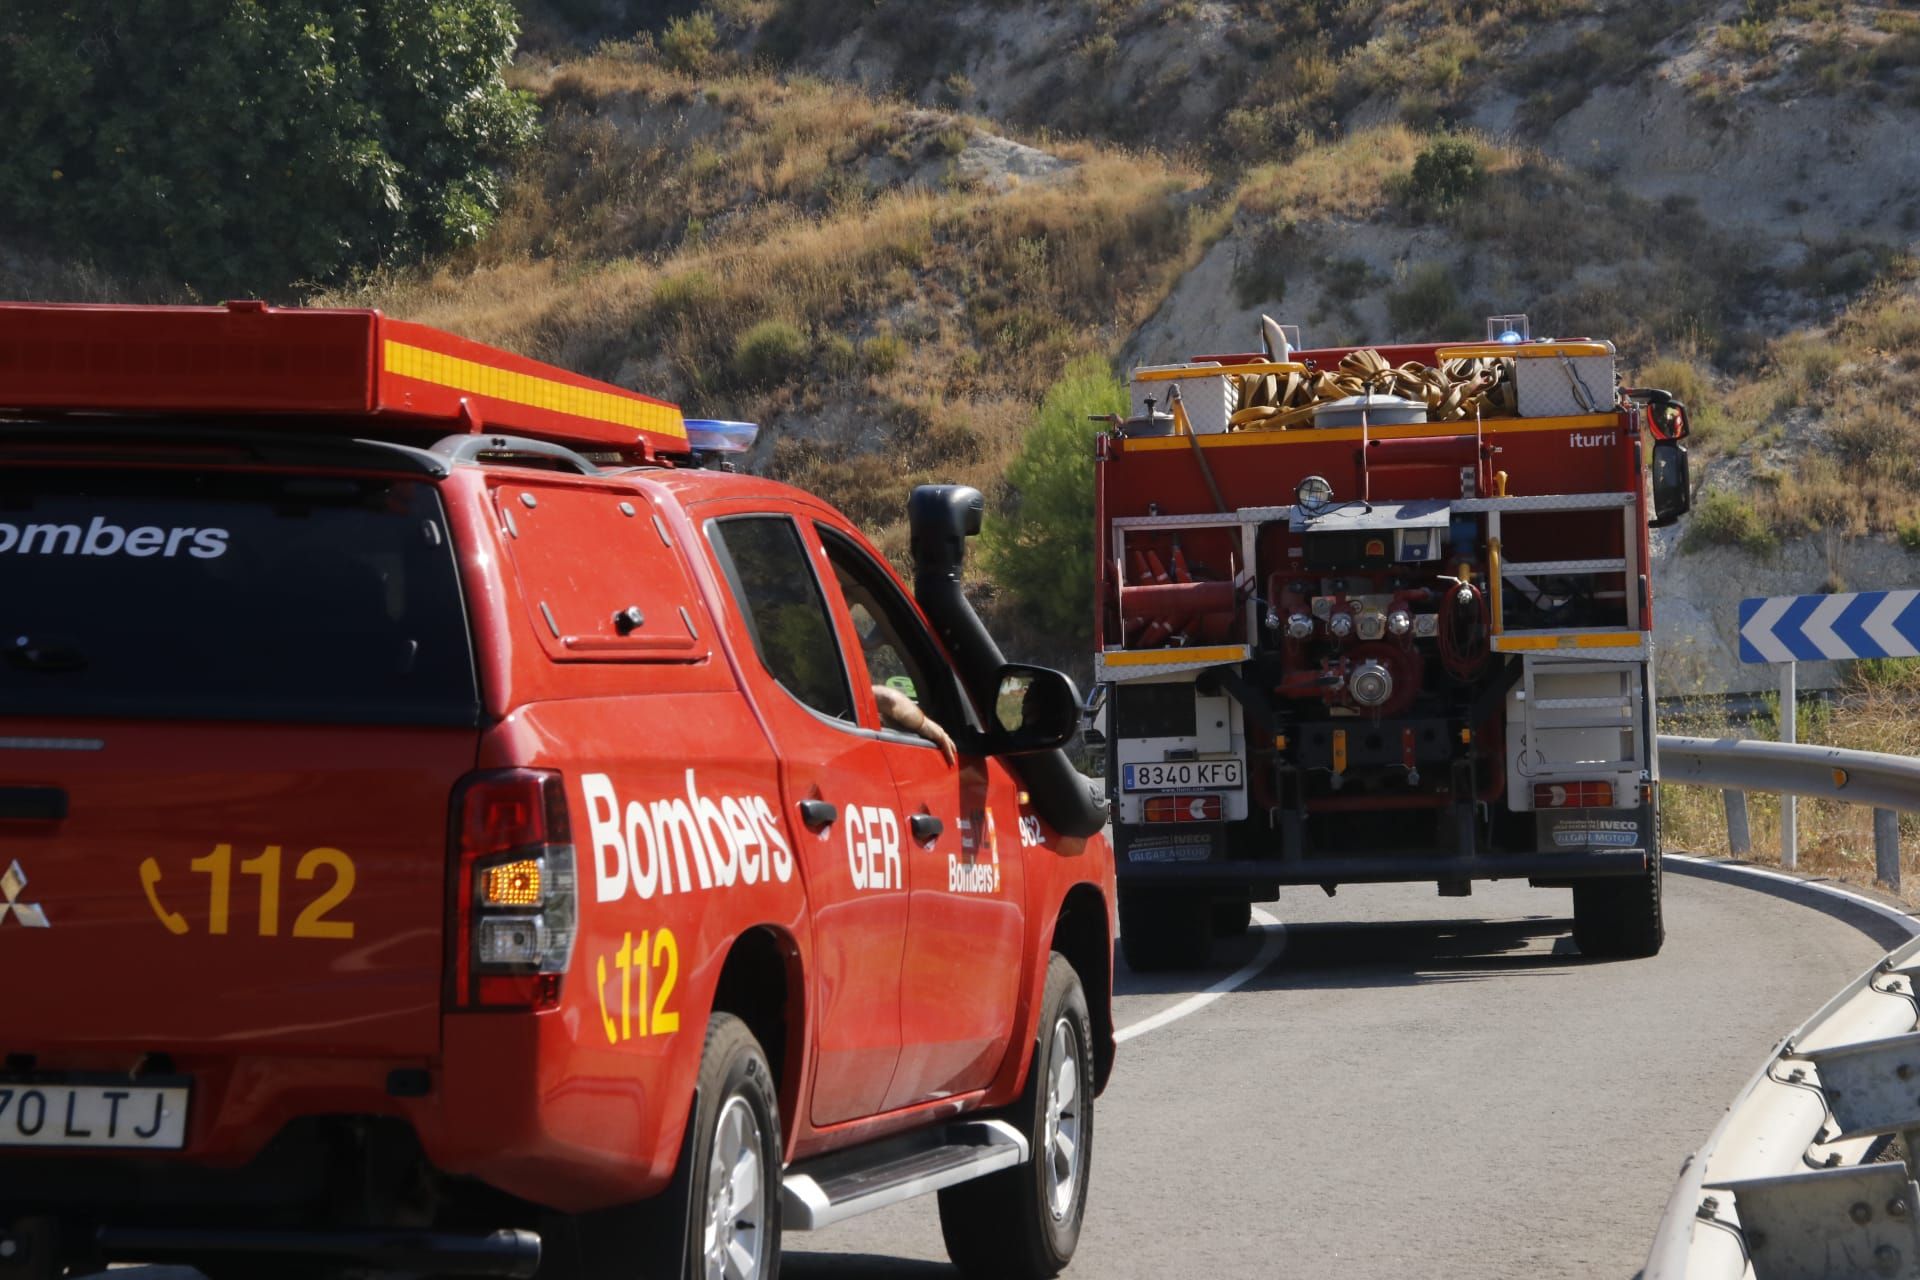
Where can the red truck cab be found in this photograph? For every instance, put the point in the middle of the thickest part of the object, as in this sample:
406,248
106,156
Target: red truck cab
444,827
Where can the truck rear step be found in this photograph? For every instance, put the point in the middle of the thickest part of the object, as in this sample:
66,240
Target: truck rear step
833,1188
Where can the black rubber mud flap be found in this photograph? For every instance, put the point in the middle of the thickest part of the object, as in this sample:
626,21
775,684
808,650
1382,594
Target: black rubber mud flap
644,1241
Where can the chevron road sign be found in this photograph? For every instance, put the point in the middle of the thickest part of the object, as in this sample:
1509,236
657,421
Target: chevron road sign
1852,624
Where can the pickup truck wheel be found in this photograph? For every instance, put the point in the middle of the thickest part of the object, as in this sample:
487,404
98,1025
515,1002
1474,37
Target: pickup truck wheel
1164,929
1621,918
1023,1223
723,1205
736,1169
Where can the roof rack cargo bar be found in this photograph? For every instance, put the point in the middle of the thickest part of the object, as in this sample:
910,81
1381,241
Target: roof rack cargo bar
478,449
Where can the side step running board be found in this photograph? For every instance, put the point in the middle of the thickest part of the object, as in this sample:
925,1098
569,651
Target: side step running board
833,1188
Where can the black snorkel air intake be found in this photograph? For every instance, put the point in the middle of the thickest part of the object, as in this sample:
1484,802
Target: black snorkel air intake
942,517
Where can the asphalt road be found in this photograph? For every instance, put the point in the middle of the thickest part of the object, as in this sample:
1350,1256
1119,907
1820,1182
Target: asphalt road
1416,1087
1421,1087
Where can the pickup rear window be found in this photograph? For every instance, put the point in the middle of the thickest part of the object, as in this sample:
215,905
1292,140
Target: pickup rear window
224,595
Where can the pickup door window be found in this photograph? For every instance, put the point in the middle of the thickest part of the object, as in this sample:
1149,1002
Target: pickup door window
854,864
964,925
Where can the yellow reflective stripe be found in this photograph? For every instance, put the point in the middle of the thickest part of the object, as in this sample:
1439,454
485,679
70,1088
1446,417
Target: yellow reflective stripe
534,392
1218,370
1167,657
1531,350
1509,642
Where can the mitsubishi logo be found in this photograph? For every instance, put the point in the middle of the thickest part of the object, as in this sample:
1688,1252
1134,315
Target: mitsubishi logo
12,884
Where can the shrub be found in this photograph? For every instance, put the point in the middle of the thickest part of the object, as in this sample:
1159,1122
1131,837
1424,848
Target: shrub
883,352
1444,176
689,292
839,355
1428,305
1261,276
1679,376
1041,552
244,147
1721,518
688,43
769,352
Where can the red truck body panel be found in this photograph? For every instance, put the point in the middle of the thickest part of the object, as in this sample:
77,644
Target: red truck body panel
910,996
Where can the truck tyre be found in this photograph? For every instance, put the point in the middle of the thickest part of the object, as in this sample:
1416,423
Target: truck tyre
1164,929
1023,1223
1231,919
735,1230
1620,918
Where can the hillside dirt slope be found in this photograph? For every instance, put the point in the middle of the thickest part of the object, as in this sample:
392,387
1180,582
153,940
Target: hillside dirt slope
883,228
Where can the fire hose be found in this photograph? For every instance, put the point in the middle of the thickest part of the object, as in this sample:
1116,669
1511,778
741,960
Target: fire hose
1272,401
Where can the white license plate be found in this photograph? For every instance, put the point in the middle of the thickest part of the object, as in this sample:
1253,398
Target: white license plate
1181,775
93,1115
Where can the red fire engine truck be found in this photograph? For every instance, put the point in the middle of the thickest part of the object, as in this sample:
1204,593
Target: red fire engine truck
446,827
1382,615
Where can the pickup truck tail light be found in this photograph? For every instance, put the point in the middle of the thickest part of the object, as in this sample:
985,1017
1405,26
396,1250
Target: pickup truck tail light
514,911
1573,795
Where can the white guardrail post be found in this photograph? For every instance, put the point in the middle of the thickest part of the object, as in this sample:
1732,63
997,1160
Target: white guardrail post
1798,1180
1739,834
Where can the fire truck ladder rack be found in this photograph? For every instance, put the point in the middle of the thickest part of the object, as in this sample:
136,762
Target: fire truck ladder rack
1615,642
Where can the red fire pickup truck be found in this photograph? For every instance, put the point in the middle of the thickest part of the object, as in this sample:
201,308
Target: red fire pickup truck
451,823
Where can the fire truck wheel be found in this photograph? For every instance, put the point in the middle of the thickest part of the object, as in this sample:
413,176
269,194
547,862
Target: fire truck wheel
1023,1223
1164,929
1620,918
1231,919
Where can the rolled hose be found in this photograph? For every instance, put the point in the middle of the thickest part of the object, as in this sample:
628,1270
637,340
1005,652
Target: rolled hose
1456,389
942,517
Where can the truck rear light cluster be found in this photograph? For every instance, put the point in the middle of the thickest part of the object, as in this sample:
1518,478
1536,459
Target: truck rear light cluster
515,913
1573,795
1184,809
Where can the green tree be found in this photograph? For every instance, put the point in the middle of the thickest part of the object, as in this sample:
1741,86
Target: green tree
249,144
1042,551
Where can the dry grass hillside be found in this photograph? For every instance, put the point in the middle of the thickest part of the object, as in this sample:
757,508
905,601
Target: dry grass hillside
888,289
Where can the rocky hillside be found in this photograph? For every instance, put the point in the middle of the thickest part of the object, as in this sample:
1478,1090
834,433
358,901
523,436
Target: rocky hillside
884,227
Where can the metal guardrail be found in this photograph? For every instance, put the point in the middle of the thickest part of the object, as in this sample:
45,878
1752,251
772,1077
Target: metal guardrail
1886,782
1796,1181
1781,1126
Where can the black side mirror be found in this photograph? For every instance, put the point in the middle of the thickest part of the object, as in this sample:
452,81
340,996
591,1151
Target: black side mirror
1035,709
1672,492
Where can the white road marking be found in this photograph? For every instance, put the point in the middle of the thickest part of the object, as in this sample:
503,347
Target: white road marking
1272,942
1902,918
